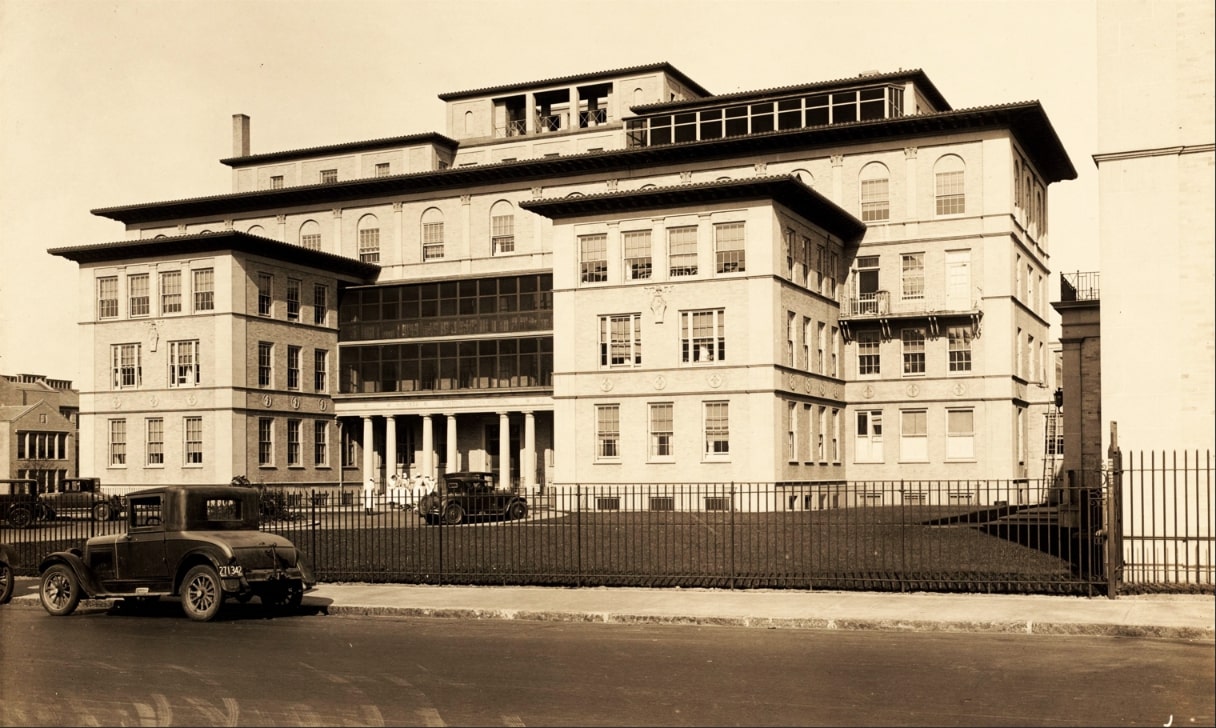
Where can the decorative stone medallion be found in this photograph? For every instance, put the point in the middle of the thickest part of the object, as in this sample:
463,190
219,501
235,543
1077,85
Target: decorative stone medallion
959,389
606,384
295,403
660,382
913,390
868,392
714,380
267,400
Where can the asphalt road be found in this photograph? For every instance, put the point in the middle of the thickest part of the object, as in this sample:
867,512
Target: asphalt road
153,667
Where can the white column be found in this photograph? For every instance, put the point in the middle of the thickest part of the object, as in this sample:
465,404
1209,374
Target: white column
527,463
369,462
504,451
451,454
428,447
390,444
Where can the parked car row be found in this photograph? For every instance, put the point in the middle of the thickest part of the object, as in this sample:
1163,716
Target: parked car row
23,501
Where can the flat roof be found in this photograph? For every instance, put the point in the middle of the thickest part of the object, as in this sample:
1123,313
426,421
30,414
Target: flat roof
577,78
343,148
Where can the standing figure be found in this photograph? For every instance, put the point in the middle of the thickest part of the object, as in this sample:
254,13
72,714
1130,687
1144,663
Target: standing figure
369,495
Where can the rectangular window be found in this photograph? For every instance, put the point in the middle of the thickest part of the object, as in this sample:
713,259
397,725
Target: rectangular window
329,176
502,234
310,241
593,258
621,340
717,430
265,370
682,251
276,182
636,244
193,427
265,441
432,240
320,443
808,334
320,304
702,335
138,302
382,169
834,359
294,456
265,294
293,299
293,367
107,297
960,348
118,442
155,446
875,200
791,434
204,289
608,432
868,359
125,363
171,291
369,245
729,249
950,197
662,431
913,436
184,363
791,337
913,276
320,370
821,347
867,447
913,340
821,431
835,434
960,434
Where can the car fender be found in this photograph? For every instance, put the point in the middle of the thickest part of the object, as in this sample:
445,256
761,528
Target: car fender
75,561
204,554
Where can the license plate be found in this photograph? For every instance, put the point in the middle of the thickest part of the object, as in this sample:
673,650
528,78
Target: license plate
226,571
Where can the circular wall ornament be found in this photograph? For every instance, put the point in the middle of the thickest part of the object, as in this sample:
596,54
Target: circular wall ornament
791,380
267,400
606,384
191,399
660,382
959,389
295,403
913,390
714,380
868,392
117,403
823,389
324,405
155,401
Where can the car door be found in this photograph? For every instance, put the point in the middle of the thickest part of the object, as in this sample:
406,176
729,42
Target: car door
140,555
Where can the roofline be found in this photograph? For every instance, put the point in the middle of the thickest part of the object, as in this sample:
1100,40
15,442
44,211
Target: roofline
784,189
211,242
1026,120
344,147
915,74
506,88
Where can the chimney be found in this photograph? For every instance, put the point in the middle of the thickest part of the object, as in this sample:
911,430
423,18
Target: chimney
240,135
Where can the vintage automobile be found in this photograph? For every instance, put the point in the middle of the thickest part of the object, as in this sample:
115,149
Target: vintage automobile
81,497
7,560
470,494
201,543
20,506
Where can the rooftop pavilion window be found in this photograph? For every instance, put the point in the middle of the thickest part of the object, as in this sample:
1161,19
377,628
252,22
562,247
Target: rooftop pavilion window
593,105
836,107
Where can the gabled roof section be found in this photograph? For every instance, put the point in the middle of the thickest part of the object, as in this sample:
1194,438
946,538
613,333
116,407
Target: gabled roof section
343,148
578,78
213,242
14,412
917,76
784,189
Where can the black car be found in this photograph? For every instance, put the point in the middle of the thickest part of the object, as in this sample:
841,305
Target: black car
81,497
7,559
19,503
201,543
470,494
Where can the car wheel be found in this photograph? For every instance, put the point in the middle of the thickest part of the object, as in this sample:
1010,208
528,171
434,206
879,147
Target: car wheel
6,582
517,510
202,593
102,512
453,514
285,596
59,591
20,517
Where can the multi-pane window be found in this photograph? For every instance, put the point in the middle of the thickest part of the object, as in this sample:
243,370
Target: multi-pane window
276,182
821,343
717,429
913,436
294,456
329,176
875,193
382,169
960,434
265,293
636,244
621,340
293,299
948,186
310,235
193,429
265,441
729,247
912,275
118,442
959,338
868,359
835,434
432,237
204,289
834,369
820,432
369,244
107,297
138,301
320,303
293,367
184,363
320,443
265,370
171,291
703,335
125,364
502,234
791,337
808,334
155,440
320,370
682,251
608,431
662,431
867,446
593,258
791,431
913,340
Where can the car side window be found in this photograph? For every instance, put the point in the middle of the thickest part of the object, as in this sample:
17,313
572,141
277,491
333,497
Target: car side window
145,512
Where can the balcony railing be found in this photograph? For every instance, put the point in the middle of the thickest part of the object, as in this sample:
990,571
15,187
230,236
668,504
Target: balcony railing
513,128
881,303
1080,286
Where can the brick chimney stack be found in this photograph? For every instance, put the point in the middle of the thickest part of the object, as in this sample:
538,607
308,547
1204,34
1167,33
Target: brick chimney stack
240,135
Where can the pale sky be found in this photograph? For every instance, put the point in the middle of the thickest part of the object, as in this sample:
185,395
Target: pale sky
117,102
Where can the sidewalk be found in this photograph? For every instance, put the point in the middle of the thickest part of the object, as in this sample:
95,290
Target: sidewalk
1172,616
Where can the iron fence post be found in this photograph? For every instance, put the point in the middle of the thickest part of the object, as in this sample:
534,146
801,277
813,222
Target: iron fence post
578,535
1114,518
732,535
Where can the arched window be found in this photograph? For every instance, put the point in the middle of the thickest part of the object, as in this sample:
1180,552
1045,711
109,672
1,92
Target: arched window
432,234
310,235
257,230
369,239
1017,183
502,228
949,189
639,96
875,192
468,122
804,176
